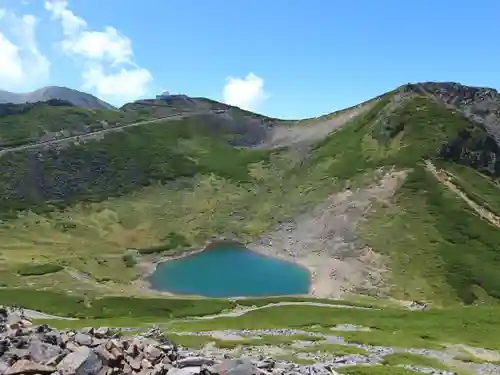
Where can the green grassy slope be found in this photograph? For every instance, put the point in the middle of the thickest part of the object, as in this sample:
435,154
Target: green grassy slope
484,189
118,164
439,248
169,188
155,108
390,327
25,123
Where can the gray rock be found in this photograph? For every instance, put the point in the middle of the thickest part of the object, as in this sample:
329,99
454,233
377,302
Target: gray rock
102,332
145,364
53,338
15,354
72,346
105,370
266,364
233,367
105,354
160,369
13,319
25,366
152,352
42,352
194,361
127,369
83,361
3,365
134,363
83,339
183,371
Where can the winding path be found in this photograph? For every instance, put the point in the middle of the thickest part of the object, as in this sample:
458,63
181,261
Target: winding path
100,132
243,311
33,314
445,178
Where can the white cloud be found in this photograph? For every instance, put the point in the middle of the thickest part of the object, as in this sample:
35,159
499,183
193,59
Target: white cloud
22,65
247,93
106,56
59,9
106,46
125,85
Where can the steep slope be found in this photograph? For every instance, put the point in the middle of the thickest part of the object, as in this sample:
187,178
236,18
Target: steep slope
54,119
479,104
261,131
358,208
75,97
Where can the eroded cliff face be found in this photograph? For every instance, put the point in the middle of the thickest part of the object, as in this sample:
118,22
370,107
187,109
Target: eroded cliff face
478,104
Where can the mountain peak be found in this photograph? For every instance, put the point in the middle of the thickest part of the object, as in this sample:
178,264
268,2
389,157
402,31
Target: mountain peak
75,97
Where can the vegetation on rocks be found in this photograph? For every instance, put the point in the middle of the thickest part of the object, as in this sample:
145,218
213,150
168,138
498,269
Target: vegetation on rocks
396,359
475,326
377,370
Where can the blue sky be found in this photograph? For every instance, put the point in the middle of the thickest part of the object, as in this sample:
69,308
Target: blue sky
285,58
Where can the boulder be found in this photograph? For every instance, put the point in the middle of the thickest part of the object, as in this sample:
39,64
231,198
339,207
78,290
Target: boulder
3,366
240,366
82,361
42,352
83,339
152,352
14,319
102,332
25,366
183,371
194,361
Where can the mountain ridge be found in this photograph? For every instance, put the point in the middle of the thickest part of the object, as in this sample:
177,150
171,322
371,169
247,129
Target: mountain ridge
197,178
75,97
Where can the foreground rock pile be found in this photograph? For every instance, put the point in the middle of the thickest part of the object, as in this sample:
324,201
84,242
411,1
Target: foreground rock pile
26,348
30,349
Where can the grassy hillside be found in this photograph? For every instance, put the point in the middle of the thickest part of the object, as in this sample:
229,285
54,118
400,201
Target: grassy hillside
165,188
26,123
175,104
118,164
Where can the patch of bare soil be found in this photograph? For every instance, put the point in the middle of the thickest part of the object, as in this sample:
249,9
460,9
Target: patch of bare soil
312,130
324,240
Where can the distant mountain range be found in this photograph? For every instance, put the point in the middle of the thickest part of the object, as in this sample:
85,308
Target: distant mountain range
75,97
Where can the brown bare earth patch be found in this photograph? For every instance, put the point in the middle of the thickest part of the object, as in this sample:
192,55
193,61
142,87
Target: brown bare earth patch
324,240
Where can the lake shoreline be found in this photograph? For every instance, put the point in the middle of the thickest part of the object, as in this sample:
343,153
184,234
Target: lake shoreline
149,266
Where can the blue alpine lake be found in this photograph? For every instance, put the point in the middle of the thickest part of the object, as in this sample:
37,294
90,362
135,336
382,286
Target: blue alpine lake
230,270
